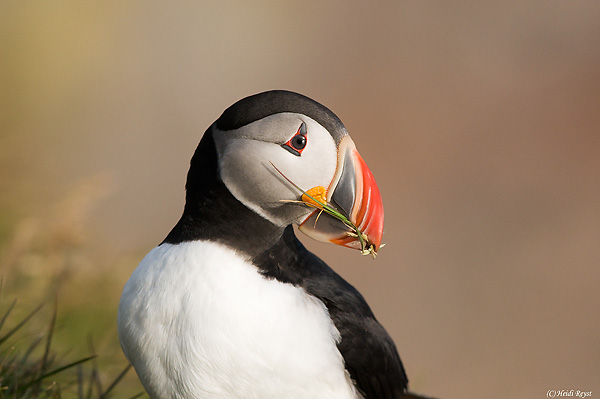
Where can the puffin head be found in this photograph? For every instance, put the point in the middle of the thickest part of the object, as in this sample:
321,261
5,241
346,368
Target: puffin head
284,156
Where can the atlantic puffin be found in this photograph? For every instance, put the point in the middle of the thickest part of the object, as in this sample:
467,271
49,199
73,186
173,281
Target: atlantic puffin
230,304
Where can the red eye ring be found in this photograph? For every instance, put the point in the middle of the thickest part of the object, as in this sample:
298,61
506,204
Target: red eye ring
298,142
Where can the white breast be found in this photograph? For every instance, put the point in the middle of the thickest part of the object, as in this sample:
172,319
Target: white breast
198,321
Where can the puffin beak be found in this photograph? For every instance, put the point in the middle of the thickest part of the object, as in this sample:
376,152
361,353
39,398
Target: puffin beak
354,194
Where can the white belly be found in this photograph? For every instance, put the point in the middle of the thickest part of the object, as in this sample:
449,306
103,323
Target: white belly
198,321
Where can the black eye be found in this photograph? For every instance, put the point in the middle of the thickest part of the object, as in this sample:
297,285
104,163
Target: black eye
297,143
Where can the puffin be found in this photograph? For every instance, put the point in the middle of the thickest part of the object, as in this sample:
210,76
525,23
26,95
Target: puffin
231,304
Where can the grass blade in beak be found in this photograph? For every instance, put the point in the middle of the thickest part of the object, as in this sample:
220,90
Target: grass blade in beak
316,198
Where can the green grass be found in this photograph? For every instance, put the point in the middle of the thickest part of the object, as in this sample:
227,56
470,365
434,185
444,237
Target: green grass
67,347
29,368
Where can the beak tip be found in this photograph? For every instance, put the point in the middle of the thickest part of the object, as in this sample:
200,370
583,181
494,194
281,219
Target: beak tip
375,230
372,215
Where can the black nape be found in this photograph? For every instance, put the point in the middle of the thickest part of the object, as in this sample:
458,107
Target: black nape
212,213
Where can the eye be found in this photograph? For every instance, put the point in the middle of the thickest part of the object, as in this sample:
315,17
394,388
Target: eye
297,143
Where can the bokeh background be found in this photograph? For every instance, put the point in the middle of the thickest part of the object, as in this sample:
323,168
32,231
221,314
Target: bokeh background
480,121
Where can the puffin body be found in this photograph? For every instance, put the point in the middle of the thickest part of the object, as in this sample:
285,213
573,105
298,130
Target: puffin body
231,304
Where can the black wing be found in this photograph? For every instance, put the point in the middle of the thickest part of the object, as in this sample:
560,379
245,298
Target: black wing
369,353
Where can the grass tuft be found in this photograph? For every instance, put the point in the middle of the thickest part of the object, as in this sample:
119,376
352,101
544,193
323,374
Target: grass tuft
43,351
35,372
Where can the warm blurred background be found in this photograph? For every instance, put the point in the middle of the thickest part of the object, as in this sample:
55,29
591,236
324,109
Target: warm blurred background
480,120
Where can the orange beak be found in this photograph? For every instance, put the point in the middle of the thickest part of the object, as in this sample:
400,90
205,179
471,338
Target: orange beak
353,193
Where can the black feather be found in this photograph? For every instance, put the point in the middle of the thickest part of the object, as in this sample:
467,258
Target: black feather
212,213
369,353
258,106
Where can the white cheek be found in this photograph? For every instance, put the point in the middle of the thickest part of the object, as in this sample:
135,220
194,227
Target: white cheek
247,168
316,166
247,172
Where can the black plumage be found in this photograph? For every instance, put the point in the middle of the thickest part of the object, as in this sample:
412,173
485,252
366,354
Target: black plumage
212,213
258,106
369,353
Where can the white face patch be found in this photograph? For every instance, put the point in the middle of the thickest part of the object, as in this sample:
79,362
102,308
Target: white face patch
245,157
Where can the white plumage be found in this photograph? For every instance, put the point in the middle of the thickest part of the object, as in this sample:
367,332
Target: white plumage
194,314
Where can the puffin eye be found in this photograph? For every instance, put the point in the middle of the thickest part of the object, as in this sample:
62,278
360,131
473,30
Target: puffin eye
297,143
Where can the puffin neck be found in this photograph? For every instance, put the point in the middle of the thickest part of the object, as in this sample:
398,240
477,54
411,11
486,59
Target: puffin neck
212,213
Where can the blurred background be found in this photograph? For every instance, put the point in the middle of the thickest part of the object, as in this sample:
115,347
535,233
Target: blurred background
480,121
